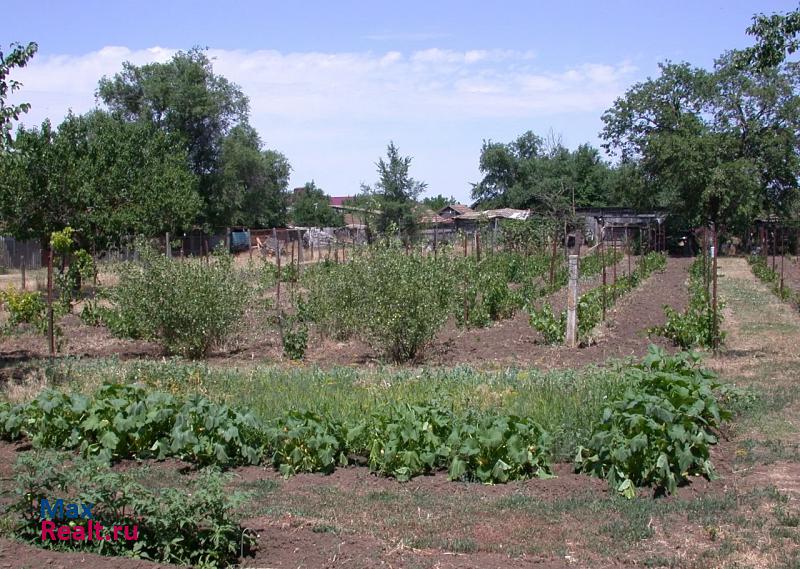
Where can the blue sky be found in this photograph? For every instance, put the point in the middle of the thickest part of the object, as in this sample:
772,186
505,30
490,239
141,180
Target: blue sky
330,83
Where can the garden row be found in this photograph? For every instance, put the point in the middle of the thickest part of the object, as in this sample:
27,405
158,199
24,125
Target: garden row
664,416
593,304
771,278
392,298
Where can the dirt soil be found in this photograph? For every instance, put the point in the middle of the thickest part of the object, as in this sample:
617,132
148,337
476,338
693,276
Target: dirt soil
507,343
748,517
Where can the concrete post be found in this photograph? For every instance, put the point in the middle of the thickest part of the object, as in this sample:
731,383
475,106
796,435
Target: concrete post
571,337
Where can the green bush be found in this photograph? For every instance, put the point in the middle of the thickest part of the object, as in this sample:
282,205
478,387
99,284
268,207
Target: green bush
392,299
120,421
194,527
189,306
660,431
695,326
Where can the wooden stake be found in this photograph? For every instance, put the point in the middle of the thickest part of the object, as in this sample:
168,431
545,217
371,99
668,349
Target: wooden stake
22,270
571,337
51,340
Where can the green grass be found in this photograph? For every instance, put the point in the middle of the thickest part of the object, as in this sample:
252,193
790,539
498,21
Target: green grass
565,403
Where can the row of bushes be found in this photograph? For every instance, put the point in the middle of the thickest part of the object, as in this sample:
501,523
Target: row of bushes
669,400
770,277
553,327
695,326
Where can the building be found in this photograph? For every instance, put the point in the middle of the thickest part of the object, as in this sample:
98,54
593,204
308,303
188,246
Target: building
451,211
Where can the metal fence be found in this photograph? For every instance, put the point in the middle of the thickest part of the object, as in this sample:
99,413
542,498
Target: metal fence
14,254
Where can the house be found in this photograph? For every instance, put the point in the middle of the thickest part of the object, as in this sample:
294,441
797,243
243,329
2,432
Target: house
451,211
470,220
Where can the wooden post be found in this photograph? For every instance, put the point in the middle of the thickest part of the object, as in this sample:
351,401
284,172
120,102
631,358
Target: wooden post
435,238
300,254
628,247
167,245
782,255
51,340
571,337
614,269
278,290
774,246
714,287
22,270
603,264
478,244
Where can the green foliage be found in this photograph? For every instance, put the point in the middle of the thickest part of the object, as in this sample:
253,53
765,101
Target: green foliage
660,431
295,338
195,527
306,442
189,306
18,57
396,192
541,175
120,422
405,441
695,326
184,99
590,304
103,177
552,328
312,209
392,299
332,299
24,308
765,274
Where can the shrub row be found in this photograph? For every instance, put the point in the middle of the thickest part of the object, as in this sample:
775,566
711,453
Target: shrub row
694,327
768,276
122,421
553,326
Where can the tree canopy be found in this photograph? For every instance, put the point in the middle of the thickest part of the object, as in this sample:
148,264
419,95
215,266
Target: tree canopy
239,181
396,192
17,57
104,178
312,208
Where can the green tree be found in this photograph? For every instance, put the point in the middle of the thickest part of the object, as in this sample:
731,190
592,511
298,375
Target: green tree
186,99
438,202
103,177
715,145
254,181
19,56
776,38
543,175
312,209
396,192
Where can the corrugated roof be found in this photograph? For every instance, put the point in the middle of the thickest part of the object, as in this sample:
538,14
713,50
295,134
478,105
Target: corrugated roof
502,213
460,208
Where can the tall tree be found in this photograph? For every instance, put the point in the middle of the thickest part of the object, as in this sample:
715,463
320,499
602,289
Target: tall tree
396,192
776,38
253,181
186,99
312,208
103,177
19,56
534,173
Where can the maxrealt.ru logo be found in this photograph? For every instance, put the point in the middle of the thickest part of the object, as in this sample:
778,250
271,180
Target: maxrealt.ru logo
78,524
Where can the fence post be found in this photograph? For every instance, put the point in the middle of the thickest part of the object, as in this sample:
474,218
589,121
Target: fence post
51,342
435,238
603,264
572,303
300,254
714,286
168,245
22,269
478,244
